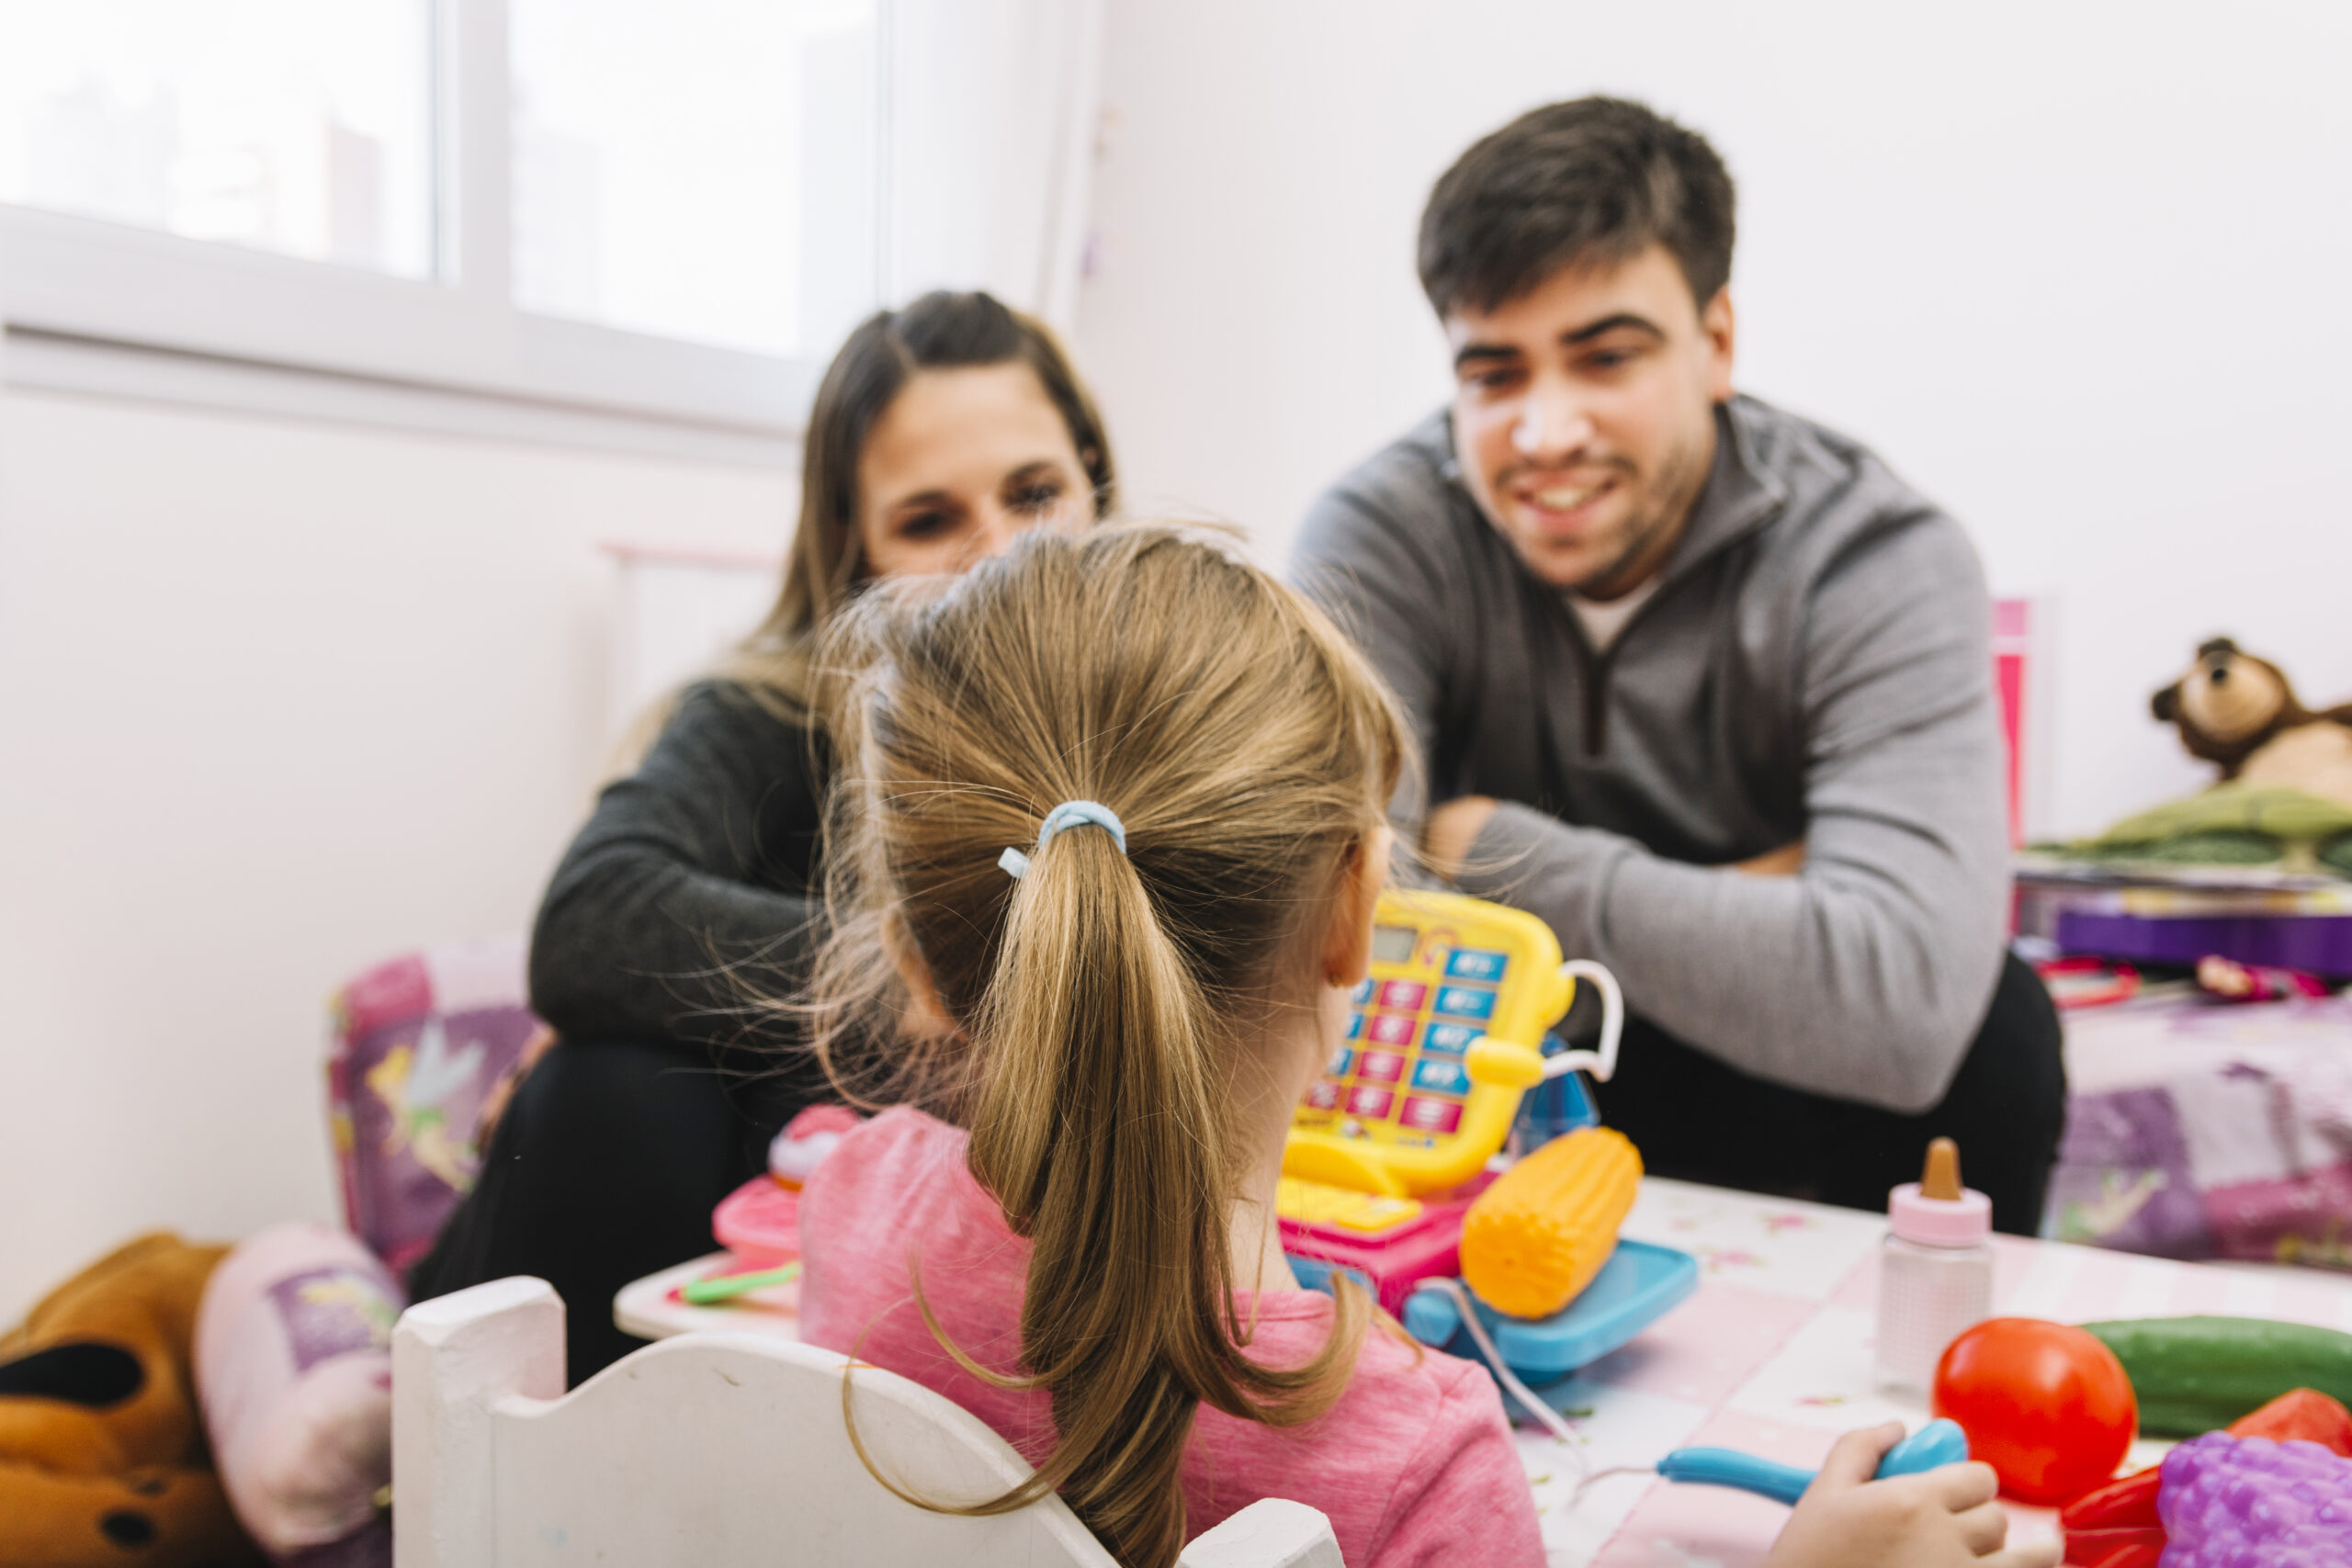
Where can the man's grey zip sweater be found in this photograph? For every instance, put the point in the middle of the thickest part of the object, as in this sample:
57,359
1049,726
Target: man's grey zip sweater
1816,664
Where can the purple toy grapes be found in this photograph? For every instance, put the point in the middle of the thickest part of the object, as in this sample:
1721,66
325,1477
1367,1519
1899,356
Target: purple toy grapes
2250,1503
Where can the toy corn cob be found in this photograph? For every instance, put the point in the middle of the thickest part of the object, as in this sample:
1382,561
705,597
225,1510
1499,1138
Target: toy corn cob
1539,1235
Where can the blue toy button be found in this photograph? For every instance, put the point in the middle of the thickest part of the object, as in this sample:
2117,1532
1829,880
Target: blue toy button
1450,1038
1445,1077
1475,964
1464,1002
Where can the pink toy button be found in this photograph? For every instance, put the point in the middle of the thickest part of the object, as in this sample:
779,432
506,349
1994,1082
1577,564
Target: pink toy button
1369,1102
1389,1029
1324,1095
1405,996
1430,1115
1380,1066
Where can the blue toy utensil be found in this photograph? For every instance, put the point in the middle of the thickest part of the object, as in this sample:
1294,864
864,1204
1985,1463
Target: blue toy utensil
1938,1443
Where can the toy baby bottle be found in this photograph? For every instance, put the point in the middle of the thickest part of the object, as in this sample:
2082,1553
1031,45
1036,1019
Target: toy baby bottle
1935,1271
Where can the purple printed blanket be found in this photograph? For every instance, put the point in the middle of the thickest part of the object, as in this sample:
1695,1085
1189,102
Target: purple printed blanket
418,1043
2202,1130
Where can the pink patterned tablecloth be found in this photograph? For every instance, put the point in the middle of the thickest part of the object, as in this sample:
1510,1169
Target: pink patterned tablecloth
1773,1355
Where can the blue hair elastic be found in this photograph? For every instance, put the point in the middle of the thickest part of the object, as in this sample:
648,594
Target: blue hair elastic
1068,815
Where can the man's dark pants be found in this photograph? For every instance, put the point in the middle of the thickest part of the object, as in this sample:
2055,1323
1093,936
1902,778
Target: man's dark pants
1694,1117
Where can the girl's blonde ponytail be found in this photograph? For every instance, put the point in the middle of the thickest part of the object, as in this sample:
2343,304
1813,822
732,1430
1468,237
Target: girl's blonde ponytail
1093,1114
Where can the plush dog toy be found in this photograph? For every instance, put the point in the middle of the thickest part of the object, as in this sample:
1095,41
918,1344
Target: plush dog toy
102,1452
2239,711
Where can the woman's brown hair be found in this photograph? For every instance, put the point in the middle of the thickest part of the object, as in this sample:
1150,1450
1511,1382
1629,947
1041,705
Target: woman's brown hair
940,331
1104,1011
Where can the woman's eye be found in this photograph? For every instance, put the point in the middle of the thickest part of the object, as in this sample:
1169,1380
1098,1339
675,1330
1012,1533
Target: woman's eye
1036,497
924,525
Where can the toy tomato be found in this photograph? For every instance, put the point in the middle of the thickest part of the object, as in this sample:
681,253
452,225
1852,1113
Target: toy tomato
2045,1405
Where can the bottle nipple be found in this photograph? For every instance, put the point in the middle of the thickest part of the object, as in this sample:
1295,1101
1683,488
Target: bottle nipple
1941,1179
1936,1209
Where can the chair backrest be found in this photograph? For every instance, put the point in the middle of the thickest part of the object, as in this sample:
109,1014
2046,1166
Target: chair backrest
715,1450
418,1042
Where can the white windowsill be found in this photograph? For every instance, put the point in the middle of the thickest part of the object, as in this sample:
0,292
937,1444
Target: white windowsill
35,360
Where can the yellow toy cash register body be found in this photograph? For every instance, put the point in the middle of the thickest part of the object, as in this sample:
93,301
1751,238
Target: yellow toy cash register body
1448,1033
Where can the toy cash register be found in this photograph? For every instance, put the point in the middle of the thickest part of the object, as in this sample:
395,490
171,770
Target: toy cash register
1448,1033
1388,1156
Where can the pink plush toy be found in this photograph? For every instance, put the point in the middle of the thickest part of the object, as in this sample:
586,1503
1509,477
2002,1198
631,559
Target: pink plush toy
294,1367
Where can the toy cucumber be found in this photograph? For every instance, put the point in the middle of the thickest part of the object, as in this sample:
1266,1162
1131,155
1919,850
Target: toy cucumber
2193,1374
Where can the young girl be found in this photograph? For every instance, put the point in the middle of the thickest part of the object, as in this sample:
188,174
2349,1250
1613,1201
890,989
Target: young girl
1112,810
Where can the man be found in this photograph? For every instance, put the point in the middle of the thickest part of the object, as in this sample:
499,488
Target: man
1701,683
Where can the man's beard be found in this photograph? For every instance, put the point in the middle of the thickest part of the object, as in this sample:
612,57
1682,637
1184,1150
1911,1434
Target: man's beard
1661,508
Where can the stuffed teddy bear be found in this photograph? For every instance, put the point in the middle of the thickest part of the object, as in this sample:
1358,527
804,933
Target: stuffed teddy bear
2240,711
103,1459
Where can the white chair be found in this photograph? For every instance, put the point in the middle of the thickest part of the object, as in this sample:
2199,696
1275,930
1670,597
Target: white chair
715,1450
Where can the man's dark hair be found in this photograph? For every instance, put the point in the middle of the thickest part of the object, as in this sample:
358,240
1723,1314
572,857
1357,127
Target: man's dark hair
1593,180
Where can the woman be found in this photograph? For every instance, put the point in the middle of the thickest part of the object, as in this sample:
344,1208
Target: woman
939,432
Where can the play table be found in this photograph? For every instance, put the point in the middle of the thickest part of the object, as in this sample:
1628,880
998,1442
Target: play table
1772,1354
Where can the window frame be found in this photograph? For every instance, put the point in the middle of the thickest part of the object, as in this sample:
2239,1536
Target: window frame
68,280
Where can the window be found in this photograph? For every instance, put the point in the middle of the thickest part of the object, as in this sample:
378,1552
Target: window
663,210
652,193
308,132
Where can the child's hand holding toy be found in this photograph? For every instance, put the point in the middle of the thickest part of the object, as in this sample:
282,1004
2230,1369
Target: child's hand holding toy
1946,1516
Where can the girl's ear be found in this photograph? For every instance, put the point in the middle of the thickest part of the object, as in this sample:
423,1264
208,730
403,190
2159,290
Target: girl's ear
1347,945
925,1012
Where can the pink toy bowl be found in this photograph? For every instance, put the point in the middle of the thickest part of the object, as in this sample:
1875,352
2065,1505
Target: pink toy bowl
759,1222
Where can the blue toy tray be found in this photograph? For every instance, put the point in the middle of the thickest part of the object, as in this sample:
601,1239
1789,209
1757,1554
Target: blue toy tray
1639,1284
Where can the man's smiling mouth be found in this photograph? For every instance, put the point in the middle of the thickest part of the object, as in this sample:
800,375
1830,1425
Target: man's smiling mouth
1561,499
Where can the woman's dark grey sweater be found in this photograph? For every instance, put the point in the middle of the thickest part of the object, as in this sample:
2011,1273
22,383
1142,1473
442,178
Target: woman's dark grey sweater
692,881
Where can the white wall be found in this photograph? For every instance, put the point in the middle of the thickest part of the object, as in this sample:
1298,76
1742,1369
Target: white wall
276,701
2079,271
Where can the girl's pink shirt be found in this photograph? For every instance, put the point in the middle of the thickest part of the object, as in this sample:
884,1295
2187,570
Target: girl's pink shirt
1415,1464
